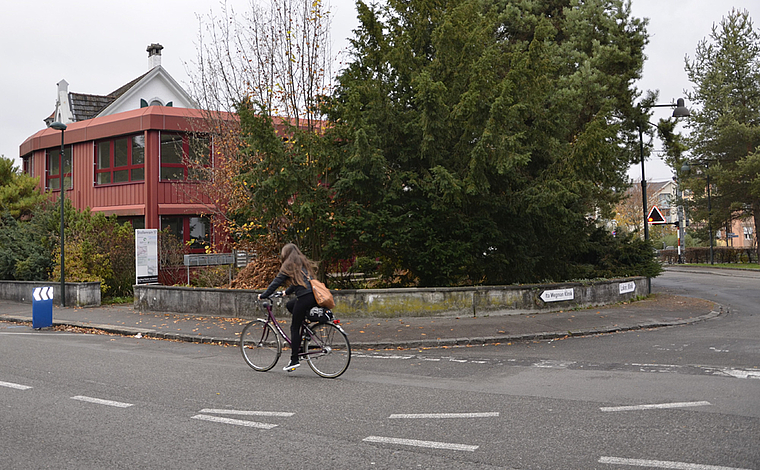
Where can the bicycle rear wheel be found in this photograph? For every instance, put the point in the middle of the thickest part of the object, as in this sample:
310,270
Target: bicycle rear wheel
328,351
260,345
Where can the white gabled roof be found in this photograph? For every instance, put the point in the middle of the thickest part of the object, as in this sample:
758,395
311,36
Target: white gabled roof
156,85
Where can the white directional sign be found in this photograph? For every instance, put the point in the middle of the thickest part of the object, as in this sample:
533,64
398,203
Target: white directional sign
42,293
557,295
626,287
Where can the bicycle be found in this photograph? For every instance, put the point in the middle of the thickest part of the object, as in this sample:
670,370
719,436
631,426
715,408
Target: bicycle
325,345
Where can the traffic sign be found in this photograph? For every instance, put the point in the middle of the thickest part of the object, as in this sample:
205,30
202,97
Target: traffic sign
42,307
655,216
557,295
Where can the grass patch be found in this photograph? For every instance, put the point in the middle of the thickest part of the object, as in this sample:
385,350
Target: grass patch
729,265
117,300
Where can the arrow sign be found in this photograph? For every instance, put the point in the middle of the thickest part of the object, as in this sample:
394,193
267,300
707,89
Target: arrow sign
557,295
626,287
655,216
42,307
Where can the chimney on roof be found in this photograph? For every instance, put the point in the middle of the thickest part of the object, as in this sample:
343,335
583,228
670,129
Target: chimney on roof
154,55
62,105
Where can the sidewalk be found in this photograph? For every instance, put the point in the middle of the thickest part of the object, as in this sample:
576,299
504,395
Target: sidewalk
381,333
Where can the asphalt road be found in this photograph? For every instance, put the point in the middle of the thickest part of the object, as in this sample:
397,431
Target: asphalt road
681,397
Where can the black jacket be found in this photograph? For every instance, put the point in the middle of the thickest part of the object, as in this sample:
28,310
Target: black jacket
294,288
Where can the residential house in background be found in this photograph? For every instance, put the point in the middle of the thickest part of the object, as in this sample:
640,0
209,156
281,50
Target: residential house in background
125,153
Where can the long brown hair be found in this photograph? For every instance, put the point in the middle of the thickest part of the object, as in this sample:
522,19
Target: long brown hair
295,263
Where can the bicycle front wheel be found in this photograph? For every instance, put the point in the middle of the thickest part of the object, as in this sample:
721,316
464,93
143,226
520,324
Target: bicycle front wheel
260,345
327,351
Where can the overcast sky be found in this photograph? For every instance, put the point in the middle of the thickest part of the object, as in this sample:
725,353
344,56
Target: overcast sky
98,46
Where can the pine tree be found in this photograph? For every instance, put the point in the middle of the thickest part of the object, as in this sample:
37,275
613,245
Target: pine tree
484,137
725,124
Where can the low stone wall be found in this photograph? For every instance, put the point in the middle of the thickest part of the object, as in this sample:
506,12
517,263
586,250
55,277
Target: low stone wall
459,301
79,294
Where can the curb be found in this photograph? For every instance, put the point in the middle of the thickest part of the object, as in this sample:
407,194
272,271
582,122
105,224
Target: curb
480,341
401,344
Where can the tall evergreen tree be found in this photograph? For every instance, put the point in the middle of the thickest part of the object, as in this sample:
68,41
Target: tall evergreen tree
483,136
725,125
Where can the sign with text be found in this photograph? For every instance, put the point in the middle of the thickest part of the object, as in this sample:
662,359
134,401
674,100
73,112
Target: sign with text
626,287
210,259
557,295
146,256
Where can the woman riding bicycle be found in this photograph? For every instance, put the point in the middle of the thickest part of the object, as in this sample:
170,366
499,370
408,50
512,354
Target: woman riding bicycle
296,271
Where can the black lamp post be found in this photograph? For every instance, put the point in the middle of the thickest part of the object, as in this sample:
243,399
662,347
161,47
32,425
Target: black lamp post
679,111
59,126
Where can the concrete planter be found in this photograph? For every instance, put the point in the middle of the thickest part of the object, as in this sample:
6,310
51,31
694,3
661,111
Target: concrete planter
459,301
79,294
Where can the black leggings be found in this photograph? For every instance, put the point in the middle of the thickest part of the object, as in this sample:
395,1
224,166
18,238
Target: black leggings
299,307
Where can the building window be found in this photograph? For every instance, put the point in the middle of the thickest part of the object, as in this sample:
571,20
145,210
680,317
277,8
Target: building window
182,155
747,233
28,165
120,160
194,231
137,222
54,162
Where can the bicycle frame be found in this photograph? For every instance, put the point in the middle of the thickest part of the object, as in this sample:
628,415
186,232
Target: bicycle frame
305,328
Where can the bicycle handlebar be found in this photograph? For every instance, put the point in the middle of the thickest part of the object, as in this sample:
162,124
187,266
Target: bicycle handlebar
273,296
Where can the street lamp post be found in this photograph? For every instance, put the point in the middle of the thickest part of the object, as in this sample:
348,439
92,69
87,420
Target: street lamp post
59,126
679,110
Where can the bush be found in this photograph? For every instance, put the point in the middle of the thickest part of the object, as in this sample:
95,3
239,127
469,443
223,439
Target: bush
98,249
26,247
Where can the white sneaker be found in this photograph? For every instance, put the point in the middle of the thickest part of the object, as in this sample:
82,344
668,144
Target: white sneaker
291,366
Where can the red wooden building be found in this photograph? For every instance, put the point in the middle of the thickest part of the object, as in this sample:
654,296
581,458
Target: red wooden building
124,153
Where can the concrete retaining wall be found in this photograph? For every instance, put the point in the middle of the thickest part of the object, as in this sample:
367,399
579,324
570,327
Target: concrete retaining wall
79,294
459,301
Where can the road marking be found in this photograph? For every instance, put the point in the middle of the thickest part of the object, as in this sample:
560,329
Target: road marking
237,422
247,413
445,415
416,443
99,401
16,386
738,373
656,406
664,464
383,356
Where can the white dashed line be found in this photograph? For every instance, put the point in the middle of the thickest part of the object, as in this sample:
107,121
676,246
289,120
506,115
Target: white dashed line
656,406
16,386
99,401
416,443
664,464
237,422
246,413
444,415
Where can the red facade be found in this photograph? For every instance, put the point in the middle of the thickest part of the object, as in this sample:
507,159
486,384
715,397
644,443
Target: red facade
149,194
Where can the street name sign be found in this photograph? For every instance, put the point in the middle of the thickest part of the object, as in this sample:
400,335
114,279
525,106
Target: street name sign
557,295
626,287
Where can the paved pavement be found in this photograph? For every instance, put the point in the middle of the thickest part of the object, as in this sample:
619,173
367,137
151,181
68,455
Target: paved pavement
659,310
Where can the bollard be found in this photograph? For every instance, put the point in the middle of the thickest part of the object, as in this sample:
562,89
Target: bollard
42,307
